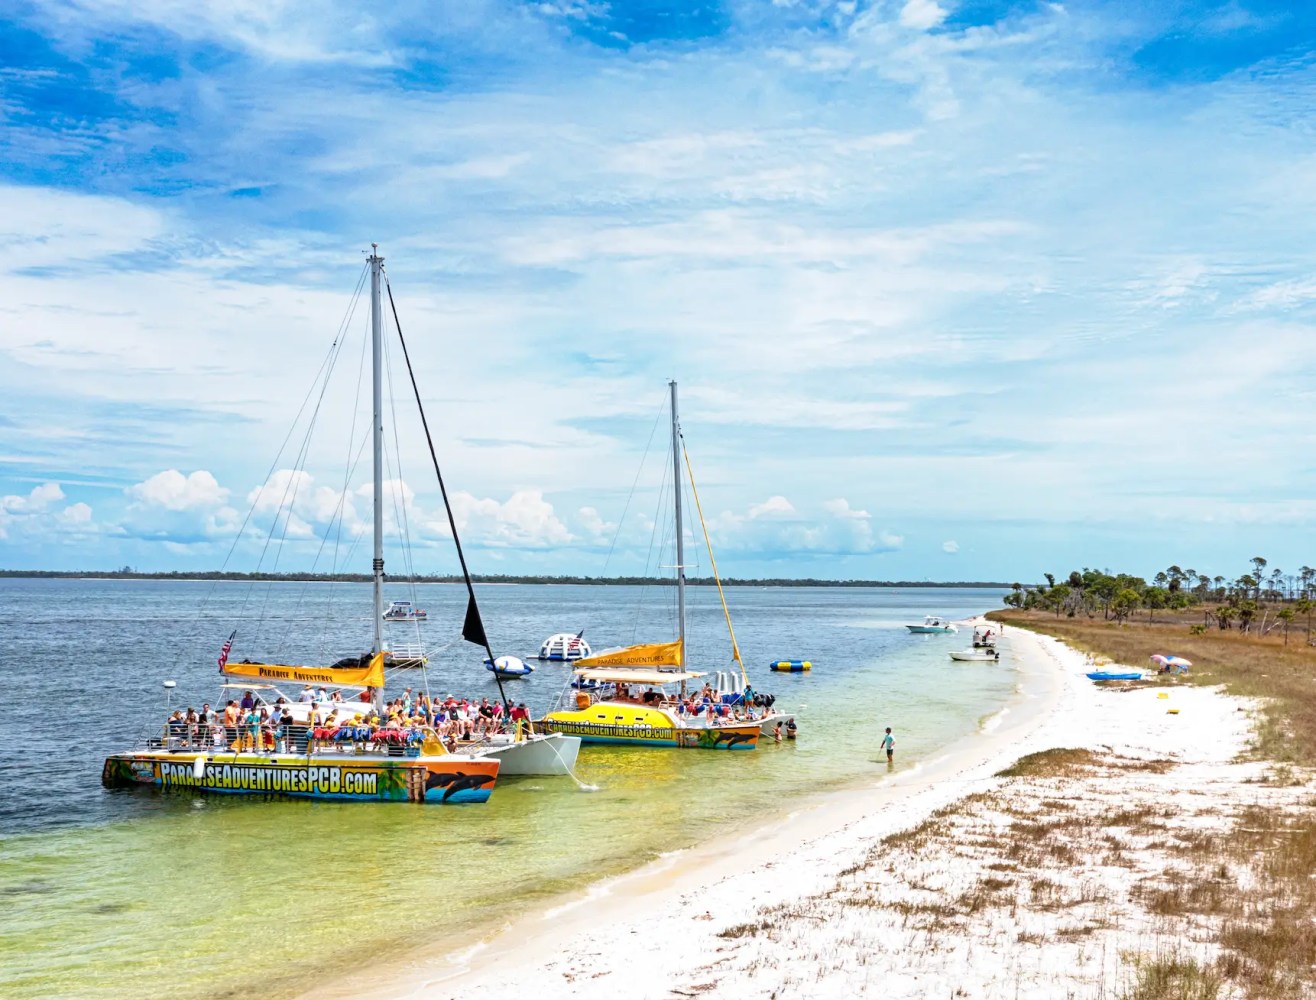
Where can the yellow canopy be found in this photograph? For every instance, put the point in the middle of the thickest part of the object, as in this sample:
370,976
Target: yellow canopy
370,676
653,654
630,675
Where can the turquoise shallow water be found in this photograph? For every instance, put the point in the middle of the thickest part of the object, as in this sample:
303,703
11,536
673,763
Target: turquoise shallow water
107,894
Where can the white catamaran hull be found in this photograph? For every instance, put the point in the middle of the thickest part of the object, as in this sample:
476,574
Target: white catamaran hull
538,755
769,723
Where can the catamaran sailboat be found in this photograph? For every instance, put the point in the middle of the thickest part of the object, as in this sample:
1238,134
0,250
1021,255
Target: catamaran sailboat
355,760
635,696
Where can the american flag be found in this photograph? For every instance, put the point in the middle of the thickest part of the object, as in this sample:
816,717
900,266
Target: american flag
223,650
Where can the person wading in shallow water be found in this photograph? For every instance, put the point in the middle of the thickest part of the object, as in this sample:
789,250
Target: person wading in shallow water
889,745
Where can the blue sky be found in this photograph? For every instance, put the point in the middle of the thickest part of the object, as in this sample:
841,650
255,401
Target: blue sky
953,291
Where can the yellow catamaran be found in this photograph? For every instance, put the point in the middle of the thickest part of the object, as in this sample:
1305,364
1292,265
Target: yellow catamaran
646,685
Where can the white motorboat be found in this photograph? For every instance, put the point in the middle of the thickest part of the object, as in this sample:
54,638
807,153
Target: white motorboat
976,655
933,625
405,611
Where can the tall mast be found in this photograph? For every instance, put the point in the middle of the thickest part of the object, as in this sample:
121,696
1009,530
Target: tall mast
377,432
680,532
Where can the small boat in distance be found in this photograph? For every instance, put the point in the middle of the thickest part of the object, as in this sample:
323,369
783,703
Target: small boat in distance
933,625
403,611
976,655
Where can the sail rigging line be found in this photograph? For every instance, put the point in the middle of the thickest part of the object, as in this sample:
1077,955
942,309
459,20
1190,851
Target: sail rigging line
472,627
335,526
712,560
400,517
659,518
286,504
336,520
294,483
635,482
329,358
349,470
400,504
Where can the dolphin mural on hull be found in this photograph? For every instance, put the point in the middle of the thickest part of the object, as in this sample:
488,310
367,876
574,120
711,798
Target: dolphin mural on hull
454,782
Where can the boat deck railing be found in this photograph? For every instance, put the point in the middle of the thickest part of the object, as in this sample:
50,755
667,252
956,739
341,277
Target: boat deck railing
402,653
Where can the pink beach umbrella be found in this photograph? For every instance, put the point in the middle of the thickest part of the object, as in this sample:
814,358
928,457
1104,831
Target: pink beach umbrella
1171,662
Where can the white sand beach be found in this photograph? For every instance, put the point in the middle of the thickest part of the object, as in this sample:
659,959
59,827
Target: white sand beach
941,879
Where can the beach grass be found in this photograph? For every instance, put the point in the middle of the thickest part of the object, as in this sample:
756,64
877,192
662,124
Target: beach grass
1254,885
1174,977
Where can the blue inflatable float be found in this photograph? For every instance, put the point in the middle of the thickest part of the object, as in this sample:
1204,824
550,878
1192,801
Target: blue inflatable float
791,666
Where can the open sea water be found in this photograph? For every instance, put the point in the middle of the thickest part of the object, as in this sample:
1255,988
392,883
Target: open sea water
141,893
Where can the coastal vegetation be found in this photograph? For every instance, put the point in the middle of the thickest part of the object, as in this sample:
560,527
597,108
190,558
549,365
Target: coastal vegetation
1253,600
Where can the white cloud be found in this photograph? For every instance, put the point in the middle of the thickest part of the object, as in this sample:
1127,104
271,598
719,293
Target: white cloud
922,14
174,491
776,527
950,546
594,526
34,516
38,499
769,507
78,513
524,520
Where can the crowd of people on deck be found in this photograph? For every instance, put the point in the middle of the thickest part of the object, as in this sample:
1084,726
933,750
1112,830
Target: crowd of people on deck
705,703
330,721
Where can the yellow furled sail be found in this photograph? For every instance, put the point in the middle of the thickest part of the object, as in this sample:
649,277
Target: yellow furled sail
368,676
652,654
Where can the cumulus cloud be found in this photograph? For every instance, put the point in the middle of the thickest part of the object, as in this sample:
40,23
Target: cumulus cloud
524,520
36,516
78,513
39,499
922,14
769,507
174,491
594,526
776,526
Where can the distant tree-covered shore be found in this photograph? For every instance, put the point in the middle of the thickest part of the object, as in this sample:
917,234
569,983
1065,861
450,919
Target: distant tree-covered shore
1255,600
127,573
